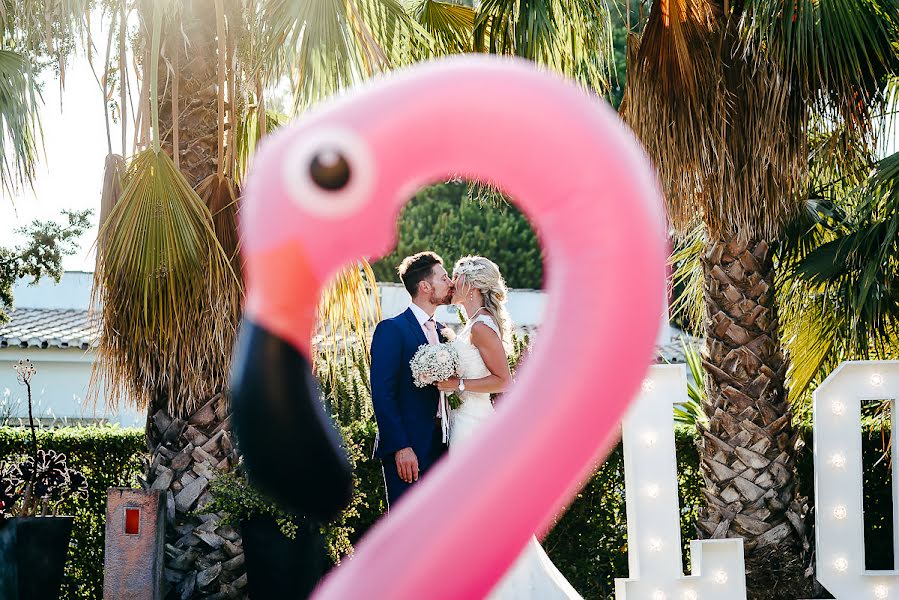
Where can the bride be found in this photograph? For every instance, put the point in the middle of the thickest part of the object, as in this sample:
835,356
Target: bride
482,346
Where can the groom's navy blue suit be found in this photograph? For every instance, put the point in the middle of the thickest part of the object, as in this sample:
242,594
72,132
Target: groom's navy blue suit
406,414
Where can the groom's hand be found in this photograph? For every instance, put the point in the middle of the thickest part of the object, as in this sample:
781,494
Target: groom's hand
407,465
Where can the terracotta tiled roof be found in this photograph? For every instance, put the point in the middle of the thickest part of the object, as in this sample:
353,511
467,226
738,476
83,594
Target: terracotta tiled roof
48,328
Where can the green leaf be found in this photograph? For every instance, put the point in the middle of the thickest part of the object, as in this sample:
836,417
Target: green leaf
20,131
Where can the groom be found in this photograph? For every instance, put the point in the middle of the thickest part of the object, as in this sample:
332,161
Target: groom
409,434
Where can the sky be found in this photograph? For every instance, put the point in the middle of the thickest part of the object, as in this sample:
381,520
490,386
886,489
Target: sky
71,176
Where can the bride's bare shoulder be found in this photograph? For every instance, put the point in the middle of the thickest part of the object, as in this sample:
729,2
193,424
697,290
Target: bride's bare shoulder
484,329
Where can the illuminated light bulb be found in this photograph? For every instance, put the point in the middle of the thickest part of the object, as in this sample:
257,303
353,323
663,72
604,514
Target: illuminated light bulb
838,407
877,381
652,490
650,438
691,595
655,545
658,595
881,591
839,512
838,461
721,577
841,565
648,385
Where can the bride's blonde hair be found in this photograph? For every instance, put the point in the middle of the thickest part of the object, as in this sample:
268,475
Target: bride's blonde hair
483,274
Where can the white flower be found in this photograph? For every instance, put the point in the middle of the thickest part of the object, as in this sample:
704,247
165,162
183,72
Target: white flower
433,363
468,267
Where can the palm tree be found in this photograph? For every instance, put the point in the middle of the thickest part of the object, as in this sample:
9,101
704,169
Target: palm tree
168,269
732,101
840,292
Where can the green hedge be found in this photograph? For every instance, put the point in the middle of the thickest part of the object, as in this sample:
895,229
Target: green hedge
588,543
108,457
442,218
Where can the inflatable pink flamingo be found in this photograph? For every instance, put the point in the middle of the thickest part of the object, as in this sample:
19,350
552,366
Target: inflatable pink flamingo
327,190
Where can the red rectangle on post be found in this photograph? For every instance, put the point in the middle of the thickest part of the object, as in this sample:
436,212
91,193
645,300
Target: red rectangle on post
132,521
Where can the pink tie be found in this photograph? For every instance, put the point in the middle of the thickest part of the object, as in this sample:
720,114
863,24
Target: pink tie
442,406
431,331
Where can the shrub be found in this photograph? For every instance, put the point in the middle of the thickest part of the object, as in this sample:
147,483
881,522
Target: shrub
37,484
443,218
234,495
108,457
346,388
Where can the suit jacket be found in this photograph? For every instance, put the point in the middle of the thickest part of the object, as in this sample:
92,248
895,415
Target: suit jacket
405,413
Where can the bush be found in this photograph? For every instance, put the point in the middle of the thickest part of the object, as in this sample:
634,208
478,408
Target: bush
346,386
444,219
108,457
231,493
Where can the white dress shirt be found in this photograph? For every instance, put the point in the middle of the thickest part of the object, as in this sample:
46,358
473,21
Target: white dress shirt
422,318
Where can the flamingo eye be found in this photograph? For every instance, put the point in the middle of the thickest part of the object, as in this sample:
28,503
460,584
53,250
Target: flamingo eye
329,172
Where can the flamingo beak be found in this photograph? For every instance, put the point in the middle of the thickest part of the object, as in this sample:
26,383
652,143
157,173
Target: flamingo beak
291,449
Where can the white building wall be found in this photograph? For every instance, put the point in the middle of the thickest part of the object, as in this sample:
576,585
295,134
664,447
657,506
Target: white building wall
72,291
59,388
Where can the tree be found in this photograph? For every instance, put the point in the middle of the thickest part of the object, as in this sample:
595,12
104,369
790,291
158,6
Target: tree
40,255
442,218
733,102
167,278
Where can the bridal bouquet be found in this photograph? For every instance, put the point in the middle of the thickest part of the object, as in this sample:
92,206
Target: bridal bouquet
436,362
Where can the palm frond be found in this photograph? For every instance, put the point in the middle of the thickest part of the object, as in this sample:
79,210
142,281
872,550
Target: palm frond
347,308
113,178
687,277
218,194
691,412
837,53
811,330
672,102
450,25
20,130
248,135
815,226
50,28
842,302
166,328
725,98
326,46
571,37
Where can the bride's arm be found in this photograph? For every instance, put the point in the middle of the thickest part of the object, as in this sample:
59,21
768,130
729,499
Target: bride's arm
494,355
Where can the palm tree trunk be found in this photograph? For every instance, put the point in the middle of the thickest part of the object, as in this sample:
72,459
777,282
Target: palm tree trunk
749,449
203,558
197,90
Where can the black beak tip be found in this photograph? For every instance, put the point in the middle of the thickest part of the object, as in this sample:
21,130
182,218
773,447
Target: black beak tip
291,449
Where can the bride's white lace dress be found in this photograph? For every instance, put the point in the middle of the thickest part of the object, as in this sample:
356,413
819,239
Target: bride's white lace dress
532,575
